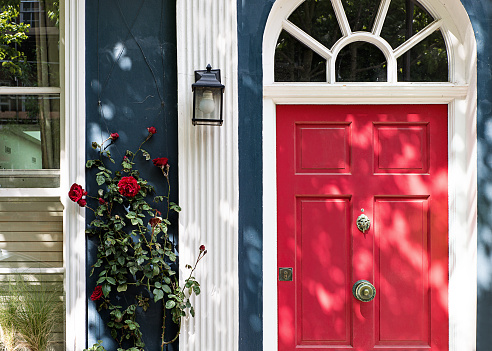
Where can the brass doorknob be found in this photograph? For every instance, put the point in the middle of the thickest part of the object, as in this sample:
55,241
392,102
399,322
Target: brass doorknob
364,291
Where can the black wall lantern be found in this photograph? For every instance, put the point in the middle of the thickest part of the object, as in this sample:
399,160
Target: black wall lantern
207,97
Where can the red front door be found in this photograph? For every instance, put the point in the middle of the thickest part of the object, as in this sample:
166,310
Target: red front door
335,163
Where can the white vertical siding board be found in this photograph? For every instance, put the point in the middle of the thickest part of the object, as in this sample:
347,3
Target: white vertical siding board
208,166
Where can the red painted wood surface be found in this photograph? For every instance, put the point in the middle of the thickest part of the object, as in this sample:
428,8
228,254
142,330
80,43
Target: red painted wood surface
390,161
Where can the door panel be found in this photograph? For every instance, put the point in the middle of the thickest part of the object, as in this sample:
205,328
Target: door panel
402,252
323,301
335,163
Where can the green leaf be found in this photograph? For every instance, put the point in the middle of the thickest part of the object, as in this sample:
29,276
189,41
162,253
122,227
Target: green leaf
95,145
166,289
100,280
155,271
121,260
100,179
192,311
122,287
196,290
170,304
106,288
89,163
158,294
111,280
158,285
171,256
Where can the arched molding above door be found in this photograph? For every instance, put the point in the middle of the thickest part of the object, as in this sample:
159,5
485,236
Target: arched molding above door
459,93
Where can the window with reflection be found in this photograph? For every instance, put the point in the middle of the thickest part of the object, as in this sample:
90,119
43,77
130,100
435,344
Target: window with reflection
360,13
317,18
427,61
29,58
294,62
361,62
29,132
404,19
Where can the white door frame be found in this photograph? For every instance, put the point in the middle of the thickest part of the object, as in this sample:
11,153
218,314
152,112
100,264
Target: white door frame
460,95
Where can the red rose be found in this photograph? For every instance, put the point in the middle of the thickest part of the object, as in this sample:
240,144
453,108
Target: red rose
101,201
160,162
114,136
151,130
76,192
97,294
202,247
82,202
128,186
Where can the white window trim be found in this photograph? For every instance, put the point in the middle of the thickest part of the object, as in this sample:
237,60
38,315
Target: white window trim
72,168
460,95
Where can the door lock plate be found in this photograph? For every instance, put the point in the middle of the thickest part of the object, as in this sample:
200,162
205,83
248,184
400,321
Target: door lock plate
285,274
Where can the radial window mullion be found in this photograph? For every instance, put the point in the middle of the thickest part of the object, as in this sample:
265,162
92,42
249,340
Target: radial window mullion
417,38
306,39
380,17
341,17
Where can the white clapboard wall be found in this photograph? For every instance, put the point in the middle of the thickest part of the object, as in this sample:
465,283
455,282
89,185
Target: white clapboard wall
31,245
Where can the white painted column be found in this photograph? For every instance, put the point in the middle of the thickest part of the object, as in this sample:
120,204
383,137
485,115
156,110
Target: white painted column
208,175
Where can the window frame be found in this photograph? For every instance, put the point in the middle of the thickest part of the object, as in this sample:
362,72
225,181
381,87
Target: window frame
72,168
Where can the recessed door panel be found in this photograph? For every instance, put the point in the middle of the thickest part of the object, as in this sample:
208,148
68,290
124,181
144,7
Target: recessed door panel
403,266
387,165
323,270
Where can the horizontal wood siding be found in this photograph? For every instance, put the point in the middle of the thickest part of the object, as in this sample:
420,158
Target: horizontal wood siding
31,236
31,233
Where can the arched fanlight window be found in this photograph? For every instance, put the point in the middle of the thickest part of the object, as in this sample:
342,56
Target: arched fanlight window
360,62
361,41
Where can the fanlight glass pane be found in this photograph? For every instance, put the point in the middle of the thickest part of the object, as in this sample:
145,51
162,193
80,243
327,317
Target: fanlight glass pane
29,49
29,132
294,62
317,18
405,18
361,13
425,62
361,62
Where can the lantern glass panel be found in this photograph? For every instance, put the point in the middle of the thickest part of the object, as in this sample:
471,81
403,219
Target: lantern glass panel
208,105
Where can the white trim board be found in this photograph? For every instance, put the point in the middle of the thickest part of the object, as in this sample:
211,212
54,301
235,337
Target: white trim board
73,170
460,95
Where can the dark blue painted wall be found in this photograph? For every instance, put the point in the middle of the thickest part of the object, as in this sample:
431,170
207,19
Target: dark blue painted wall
252,15
480,13
137,87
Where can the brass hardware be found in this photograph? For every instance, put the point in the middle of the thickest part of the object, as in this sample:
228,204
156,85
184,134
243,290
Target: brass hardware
285,274
363,223
364,291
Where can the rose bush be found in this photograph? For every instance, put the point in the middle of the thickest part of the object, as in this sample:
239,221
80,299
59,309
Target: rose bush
135,253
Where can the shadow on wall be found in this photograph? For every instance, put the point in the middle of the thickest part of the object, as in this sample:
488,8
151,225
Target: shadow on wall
131,85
